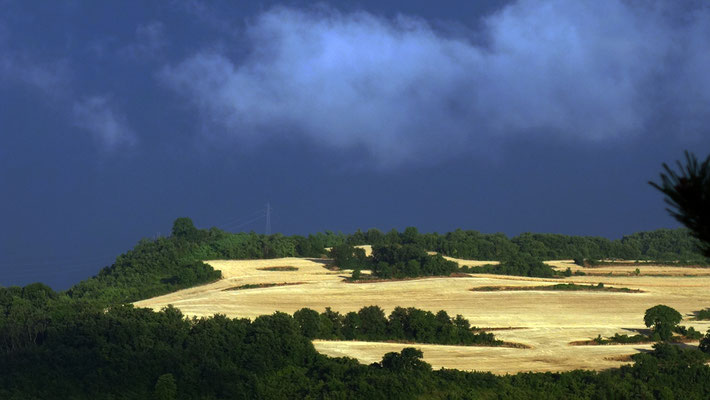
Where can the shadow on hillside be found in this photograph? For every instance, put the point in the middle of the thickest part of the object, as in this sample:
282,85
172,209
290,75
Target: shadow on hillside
642,331
324,261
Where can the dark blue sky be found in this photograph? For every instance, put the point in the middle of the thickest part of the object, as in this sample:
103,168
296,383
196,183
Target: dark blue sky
498,116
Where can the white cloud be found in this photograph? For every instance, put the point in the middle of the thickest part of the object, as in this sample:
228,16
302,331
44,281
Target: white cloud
402,90
109,127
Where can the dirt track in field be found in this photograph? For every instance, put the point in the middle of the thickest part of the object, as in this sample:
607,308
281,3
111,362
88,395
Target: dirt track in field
547,320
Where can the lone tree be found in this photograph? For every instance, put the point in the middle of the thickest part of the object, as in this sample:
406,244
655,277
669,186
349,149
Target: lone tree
662,319
688,194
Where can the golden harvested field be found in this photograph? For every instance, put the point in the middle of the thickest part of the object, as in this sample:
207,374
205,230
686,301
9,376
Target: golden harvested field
547,321
644,269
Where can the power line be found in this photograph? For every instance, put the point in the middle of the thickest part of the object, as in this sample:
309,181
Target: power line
64,264
234,220
267,231
236,223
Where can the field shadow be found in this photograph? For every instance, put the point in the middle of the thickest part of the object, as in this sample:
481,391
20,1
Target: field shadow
642,331
325,263
686,345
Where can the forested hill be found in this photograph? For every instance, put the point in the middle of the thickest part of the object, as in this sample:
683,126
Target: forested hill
87,344
155,267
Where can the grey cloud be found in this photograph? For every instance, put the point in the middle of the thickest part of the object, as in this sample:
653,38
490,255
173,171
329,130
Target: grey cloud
49,78
21,67
53,82
97,116
399,88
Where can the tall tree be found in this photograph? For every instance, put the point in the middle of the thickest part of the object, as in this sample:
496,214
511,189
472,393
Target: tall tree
165,388
688,194
662,319
308,322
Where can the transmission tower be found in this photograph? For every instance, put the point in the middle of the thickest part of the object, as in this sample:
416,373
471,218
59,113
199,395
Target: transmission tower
268,219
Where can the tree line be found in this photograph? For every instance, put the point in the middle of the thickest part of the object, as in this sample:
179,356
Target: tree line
412,260
403,324
392,261
663,245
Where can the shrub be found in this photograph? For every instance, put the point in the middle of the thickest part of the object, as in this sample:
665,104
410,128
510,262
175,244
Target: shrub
703,314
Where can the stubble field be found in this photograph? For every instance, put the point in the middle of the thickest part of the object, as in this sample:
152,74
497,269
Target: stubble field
545,321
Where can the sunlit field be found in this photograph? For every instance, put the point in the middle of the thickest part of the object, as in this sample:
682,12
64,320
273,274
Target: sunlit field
546,322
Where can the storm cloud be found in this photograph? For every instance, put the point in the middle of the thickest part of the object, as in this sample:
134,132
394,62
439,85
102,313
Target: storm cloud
399,88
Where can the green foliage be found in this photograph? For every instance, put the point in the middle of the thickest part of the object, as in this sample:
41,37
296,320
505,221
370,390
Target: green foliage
409,360
403,324
156,267
703,314
688,332
183,228
351,326
345,256
373,323
520,265
165,388
705,343
556,287
688,195
408,260
356,275
662,245
308,322
622,339
662,319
